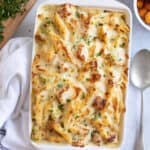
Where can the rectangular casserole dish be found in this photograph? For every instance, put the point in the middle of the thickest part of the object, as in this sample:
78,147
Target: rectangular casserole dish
104,4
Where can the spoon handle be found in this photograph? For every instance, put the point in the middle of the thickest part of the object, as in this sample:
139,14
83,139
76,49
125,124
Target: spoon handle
140,145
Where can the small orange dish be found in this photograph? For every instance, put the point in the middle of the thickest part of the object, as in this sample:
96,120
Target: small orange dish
142,12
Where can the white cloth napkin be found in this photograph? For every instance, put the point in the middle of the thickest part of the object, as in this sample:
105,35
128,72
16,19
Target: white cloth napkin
15,64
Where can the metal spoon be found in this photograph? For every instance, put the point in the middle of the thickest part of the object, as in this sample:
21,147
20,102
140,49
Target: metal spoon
140,77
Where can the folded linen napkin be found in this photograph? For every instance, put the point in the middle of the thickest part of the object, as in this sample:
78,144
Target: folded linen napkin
15,64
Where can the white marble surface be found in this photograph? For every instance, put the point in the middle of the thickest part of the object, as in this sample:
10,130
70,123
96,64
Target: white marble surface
140,39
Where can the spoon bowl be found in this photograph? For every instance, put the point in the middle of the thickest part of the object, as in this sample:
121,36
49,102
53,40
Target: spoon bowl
140,69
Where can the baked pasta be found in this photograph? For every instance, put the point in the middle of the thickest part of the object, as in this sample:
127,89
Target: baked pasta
79,75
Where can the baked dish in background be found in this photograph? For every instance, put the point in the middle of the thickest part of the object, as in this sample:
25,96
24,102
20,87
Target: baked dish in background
144,10
79,75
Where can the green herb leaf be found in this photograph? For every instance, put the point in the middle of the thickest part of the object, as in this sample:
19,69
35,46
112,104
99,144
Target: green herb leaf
77,14
96,116
61,107
43,80
83,96
123,44
9,9
51,110
62,124
68,100
98,24
98,54
49,22
105,11
76,116
73,46
59,85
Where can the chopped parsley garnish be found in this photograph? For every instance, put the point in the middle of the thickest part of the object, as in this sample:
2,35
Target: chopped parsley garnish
96,116
58,67
98,24
87,79
61,107
85,123
123,44
77,14
73,46
43,80
89,40
62,124
83,96
98,54
68,100
9,9
120,59
51,110
49,22
76,116
103,65
105,11
59,85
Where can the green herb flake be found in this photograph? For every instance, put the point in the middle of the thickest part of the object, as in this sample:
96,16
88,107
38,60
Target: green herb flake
105,11
83,96
62,124
77,14
9,9
68,100
51,110
98,24
43,80
96,116
58,67
103,65
61,107
76,116
120,59
123,44
88,42
59,85
98,54
87,79
85,123
73,46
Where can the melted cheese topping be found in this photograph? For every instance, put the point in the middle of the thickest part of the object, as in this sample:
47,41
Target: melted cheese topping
79,75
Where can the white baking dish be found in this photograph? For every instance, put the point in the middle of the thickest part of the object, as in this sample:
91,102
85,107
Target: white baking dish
102,4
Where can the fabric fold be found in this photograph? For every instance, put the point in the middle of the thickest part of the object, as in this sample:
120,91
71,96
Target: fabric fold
15,70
